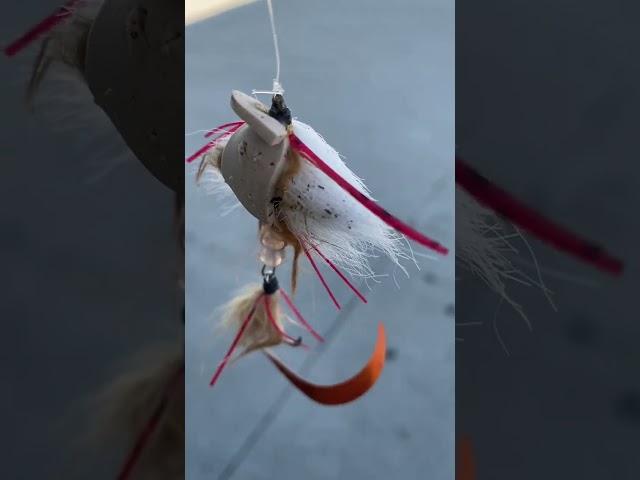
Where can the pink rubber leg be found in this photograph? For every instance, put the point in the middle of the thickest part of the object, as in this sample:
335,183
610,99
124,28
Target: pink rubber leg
40,29
511,208
234,344
271,318
147,432
299,316
222,128
365,201
340,274
322,280
214,142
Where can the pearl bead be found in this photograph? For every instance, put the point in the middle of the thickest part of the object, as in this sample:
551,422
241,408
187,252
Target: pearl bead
270,257
271,239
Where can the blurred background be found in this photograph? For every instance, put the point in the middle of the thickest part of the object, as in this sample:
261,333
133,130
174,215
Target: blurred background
546,106
89,266
376,79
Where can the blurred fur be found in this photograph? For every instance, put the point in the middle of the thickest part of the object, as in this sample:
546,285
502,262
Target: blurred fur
484,243
124,406
207,175
65,44
57,88
57,91
260,333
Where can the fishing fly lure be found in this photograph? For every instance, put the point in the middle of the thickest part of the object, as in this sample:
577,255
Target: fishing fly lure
305,198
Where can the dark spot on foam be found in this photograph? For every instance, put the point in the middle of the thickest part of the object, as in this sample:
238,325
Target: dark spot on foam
320,187
329,212
275,201
242,148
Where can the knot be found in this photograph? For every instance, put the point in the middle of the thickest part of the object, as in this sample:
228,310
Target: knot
279,110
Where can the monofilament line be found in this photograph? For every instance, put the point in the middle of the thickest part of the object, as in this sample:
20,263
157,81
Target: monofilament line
276,81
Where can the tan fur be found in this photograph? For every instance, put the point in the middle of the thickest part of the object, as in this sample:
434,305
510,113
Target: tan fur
127,403
210,159
293,167
66,46
260,333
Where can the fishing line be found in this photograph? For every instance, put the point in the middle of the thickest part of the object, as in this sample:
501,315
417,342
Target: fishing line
277,86
272,20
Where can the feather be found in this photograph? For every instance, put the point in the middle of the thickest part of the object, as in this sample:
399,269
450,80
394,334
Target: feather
318,212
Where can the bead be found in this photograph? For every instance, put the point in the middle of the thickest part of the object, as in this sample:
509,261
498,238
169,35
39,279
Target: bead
270,257
270,239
